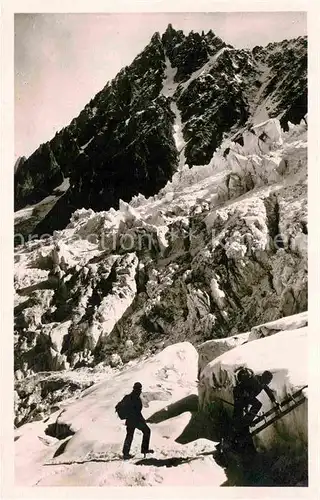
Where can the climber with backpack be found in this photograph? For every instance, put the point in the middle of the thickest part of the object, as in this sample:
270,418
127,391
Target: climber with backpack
248,387
129,409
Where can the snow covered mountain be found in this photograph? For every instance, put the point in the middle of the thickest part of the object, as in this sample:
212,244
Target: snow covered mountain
185,182
171,106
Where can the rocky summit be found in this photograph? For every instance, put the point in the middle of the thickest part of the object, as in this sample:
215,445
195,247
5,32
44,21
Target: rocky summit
175,207
173,105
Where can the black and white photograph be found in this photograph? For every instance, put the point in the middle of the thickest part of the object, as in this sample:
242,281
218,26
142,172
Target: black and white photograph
160,276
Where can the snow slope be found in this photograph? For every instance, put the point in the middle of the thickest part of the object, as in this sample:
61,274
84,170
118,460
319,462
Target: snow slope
80,443
26,219
168,90
91,456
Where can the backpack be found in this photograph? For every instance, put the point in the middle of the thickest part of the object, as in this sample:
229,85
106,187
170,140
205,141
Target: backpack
123,408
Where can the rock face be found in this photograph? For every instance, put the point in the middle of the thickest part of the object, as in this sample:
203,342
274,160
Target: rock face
222,248
284,92
19,163
130,137
121,144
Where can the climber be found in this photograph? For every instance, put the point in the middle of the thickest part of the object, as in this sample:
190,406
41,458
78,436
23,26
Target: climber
135,420
245,392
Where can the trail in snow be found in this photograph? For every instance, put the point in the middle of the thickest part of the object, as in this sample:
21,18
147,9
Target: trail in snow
27,211
169,88
82,148
178,135
260,110
204,69
169,85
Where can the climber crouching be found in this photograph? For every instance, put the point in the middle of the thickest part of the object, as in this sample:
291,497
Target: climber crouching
236,446
245,392
246,408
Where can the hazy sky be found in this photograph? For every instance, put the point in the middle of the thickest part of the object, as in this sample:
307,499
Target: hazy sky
63,60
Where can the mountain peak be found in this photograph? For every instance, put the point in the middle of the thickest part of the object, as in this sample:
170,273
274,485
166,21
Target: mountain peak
156,37
172,105
171,30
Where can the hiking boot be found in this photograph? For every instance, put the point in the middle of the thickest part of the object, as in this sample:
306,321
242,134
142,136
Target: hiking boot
148,451
127,456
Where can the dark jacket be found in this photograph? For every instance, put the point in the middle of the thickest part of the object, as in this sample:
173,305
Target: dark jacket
134,409
252,387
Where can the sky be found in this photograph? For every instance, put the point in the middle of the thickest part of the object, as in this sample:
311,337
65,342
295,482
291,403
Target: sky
62,60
